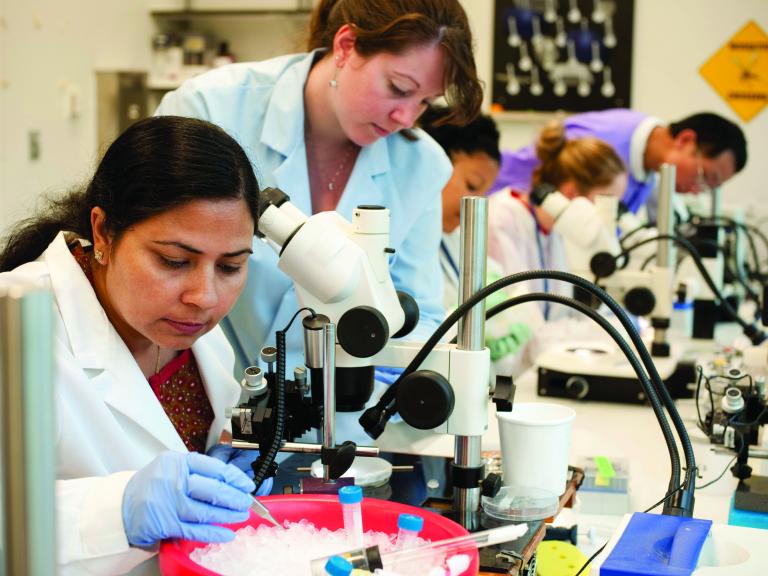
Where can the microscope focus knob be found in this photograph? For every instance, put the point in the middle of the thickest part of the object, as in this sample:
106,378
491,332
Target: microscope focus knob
362,331
491,485
425,399
640,301
411,311
253,383
602,264
732,401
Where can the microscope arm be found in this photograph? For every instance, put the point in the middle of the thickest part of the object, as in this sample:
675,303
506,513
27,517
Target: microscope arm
467,372
340,269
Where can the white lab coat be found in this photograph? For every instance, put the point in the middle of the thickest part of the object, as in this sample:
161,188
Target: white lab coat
261,104
108,421
512,242
512,364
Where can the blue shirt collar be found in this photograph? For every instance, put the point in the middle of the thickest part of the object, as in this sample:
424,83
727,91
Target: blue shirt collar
284,119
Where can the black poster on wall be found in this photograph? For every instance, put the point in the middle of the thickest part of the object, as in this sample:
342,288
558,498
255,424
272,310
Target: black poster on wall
573,55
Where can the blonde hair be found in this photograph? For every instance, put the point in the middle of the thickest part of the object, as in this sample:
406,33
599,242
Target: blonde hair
587,161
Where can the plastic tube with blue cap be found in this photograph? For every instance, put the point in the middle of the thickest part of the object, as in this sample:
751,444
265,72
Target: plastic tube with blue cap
408,528
439,557
338,566
350,498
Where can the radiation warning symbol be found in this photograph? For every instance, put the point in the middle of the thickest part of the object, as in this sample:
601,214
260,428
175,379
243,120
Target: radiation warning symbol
739,71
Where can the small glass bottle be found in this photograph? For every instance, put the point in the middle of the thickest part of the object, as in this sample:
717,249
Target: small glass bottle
224,56
338,566
350,498
408,528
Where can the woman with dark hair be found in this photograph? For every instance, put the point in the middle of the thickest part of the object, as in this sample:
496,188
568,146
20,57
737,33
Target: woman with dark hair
334,128
142,265
474,153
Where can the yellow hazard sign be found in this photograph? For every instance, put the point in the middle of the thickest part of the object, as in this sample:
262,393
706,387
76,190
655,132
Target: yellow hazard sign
739,71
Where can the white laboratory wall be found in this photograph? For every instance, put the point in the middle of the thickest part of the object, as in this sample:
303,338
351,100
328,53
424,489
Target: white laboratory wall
672,40
50,50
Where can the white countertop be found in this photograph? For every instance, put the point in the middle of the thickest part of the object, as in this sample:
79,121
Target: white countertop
612,430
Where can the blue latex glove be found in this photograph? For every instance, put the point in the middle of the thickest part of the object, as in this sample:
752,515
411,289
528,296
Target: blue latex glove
180,495
243,460
387,375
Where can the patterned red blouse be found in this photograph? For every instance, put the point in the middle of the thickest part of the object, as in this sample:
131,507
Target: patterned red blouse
178,386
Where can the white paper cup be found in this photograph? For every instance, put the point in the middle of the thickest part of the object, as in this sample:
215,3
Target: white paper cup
535,440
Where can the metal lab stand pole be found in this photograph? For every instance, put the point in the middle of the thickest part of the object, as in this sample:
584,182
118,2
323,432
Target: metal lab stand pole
471,336
27,447
665,262
717,202
329,392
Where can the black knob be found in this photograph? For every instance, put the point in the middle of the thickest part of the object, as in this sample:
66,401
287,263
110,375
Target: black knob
411,310
339,459
362,331
577,387
373,422
640,301
491,485
425,399
602,264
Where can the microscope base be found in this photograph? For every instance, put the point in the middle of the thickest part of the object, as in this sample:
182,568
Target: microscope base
601,373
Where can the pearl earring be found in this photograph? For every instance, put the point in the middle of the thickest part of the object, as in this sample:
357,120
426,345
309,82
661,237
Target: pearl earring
99,255
332,82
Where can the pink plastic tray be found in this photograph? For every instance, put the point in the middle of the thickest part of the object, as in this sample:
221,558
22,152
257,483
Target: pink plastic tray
322,511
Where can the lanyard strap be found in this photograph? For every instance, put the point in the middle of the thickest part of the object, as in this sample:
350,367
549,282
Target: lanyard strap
540,247
449,258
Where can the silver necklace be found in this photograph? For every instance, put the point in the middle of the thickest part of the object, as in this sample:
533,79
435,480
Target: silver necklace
342,165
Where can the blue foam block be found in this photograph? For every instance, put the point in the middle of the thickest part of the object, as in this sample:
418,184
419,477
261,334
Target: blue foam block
657,545
748,518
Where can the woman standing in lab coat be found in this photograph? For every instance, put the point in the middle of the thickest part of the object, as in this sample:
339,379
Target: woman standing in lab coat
142,266
333,128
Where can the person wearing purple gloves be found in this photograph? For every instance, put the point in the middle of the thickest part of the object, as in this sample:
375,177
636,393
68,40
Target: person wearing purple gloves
706,148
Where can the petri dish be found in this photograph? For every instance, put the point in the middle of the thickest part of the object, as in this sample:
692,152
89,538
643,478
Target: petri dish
521,504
